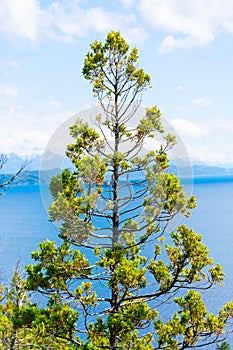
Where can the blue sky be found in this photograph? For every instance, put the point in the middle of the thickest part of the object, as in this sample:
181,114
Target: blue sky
186,46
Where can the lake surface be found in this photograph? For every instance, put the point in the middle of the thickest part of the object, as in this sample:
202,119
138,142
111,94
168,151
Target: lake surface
24,222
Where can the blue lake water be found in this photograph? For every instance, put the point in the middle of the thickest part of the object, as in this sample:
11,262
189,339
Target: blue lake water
24,222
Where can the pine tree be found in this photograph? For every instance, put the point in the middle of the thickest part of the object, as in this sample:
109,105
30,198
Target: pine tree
119,279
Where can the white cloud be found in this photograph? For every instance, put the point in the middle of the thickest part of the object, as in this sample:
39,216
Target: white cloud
221,126
186,128
26,131
188,23
135,36
6,90
211,156
60,20
183,109
74,21
55,105
215,148
170,43
127,3
180,88
19,18
203,102
13,64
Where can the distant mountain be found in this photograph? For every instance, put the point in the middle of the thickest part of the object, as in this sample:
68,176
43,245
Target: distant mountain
34,162
200,170
47,161
13,164
210,170
33,177
43,167
50,160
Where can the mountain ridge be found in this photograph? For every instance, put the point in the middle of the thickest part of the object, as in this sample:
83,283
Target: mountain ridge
40,168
